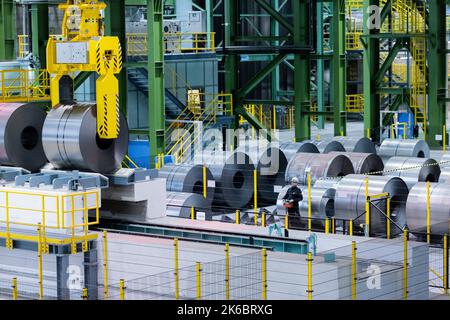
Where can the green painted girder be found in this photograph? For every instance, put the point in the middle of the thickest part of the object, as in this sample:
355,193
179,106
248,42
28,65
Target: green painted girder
399,45
268,102
8,32
39,32
254,122
387,35
392,90
261,38
258,77
80,79
399,99
276,15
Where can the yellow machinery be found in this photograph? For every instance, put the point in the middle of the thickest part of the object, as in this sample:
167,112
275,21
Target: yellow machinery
82,47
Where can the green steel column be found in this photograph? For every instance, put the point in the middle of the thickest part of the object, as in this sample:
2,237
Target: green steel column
339,68
8,32
155,67
301,72
115,26
320,66
276,73
39,32
437,67
371,62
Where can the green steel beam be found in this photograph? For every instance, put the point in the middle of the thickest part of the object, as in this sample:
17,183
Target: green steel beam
39,32
254,122
155,67
389,60
269,102
399,99
385,11
339,83
80,79
258,77
320,66
437,68
302,76
115,26
276,15
8,32
371,62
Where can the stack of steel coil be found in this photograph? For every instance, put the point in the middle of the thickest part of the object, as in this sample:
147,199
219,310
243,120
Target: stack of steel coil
364,163
404,148
180,204
361,145
325,146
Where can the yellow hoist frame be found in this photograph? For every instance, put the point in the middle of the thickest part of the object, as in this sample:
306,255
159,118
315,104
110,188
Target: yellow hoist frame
83,48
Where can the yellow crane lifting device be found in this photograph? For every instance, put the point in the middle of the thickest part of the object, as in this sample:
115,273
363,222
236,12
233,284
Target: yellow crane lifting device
82,47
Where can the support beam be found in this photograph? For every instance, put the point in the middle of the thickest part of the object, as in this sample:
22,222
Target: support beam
39,32
320,66
90,263
62,275
155,67
8,32
389,60
274,14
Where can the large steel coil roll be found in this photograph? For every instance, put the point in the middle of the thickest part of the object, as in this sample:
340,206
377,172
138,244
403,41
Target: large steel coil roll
364,162
362,145
180,204
416,208
322,204
327,183
329,146
350,201
319,165
272,168
188,179
404,148
413,170
71,141
234,181
21,136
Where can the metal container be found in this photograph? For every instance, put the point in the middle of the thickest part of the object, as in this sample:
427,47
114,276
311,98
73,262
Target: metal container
364,163
416,208
361,145
413,170
319,165
350,201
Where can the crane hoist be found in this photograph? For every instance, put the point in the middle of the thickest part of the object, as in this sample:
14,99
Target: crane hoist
82,47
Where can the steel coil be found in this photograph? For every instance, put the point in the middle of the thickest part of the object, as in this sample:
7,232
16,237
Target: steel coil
21,136
350,201
416,208
413,170
70,140
234,181
322,204
188,179
404,148
364,163
319,165
327,146
360,145
180,204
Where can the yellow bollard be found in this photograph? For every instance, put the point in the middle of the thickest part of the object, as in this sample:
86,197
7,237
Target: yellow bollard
286,221
41,288
255,197
105,265
388,220
367,205
405,264
428,213
198,270
238,217
309,203
263,220
333,225
327,226
176,274
445,264
122,289
309,259
227,271
353,270
350,228
368,133
15,295
192,213
264,274
204,181
84,294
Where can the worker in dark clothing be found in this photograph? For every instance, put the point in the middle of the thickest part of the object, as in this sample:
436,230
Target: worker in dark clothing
416,131
291,199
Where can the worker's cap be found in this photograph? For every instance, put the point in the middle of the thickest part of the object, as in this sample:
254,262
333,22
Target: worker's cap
294,180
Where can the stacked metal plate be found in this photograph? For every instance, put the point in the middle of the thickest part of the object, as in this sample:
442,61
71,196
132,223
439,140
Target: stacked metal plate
325,146
416,208
350,201
413,170
70,140
362,145
180,204
319,165
188,179
364,163
404,148
234,181
21,136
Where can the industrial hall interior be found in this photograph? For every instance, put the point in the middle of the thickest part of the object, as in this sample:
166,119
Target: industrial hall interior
224,150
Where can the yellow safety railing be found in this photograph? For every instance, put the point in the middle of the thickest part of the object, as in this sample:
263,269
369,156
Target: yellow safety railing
24,85
355,103
181,42
24,45
22,211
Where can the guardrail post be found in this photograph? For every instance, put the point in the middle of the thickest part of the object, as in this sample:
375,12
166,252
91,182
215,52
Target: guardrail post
286,221
255,196
353,270
264,274
175,256
327,226
444,138
198,270
14,289
333,225
428,213
41,288
309,203
238,217
105,265
350,228
388,219
405,264
367,226
84,294
204,181
263,219
192,213
122,289
445,264
227,271
309,259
